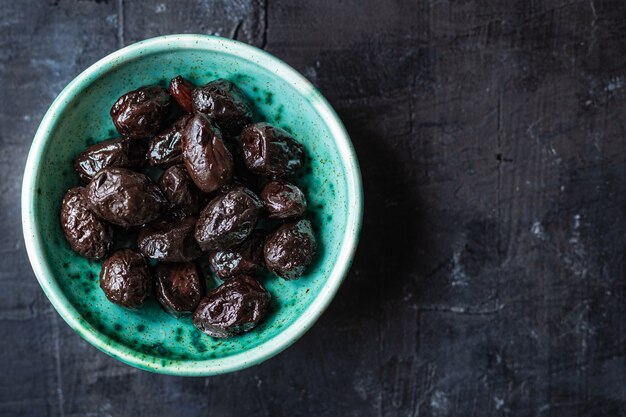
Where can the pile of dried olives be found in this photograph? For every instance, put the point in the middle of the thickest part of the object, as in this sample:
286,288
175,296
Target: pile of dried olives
199,182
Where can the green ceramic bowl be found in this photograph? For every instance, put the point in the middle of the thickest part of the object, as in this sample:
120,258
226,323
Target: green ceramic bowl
149,338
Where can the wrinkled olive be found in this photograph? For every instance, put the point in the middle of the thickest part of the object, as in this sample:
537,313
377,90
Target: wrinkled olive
124,197
271,151
170,240
178,287
290,249
140,113
207,159
234,307
244,259
84,231
228,219
109,153
125,278
283,200
224,103
166,149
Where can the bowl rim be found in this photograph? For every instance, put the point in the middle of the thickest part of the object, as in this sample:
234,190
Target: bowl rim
282,340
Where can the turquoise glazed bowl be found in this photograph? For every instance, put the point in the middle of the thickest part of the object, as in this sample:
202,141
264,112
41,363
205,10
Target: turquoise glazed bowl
149,338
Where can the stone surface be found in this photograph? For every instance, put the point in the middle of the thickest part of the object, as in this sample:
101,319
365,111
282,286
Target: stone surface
490,278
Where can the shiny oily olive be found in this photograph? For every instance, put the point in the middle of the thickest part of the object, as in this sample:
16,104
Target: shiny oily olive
181,89
234,307
224,103
166,149
124,197
125,278
228,219
179,189
140,113
290,249
283,200
178,287
109,153
85,232
170,240
244,259
271,151
207,159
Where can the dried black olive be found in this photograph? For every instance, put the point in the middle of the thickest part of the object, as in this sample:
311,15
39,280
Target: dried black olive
180,90
207,159
124,197
283,200
224,103
84,231
228,219
180,190
170,240
109,153
271,151
215,152
290,249
178,287
166,148
125,278
140,113
234,307
244,259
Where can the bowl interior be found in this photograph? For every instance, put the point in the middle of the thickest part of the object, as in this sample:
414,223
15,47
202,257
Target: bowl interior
149,337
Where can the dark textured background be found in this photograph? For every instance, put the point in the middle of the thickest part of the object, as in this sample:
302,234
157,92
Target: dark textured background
490,278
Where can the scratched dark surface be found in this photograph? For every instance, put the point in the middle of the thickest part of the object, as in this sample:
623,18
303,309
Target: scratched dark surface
490,278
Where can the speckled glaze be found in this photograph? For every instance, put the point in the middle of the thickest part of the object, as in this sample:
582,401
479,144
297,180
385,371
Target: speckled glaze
149,338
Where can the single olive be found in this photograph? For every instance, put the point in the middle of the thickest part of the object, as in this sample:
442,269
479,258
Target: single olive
234,307
283,200
180,90
84,231
290,249
166,149
271,151
178,287
140,113
124,197
125,278
207,159
109,153
228,219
